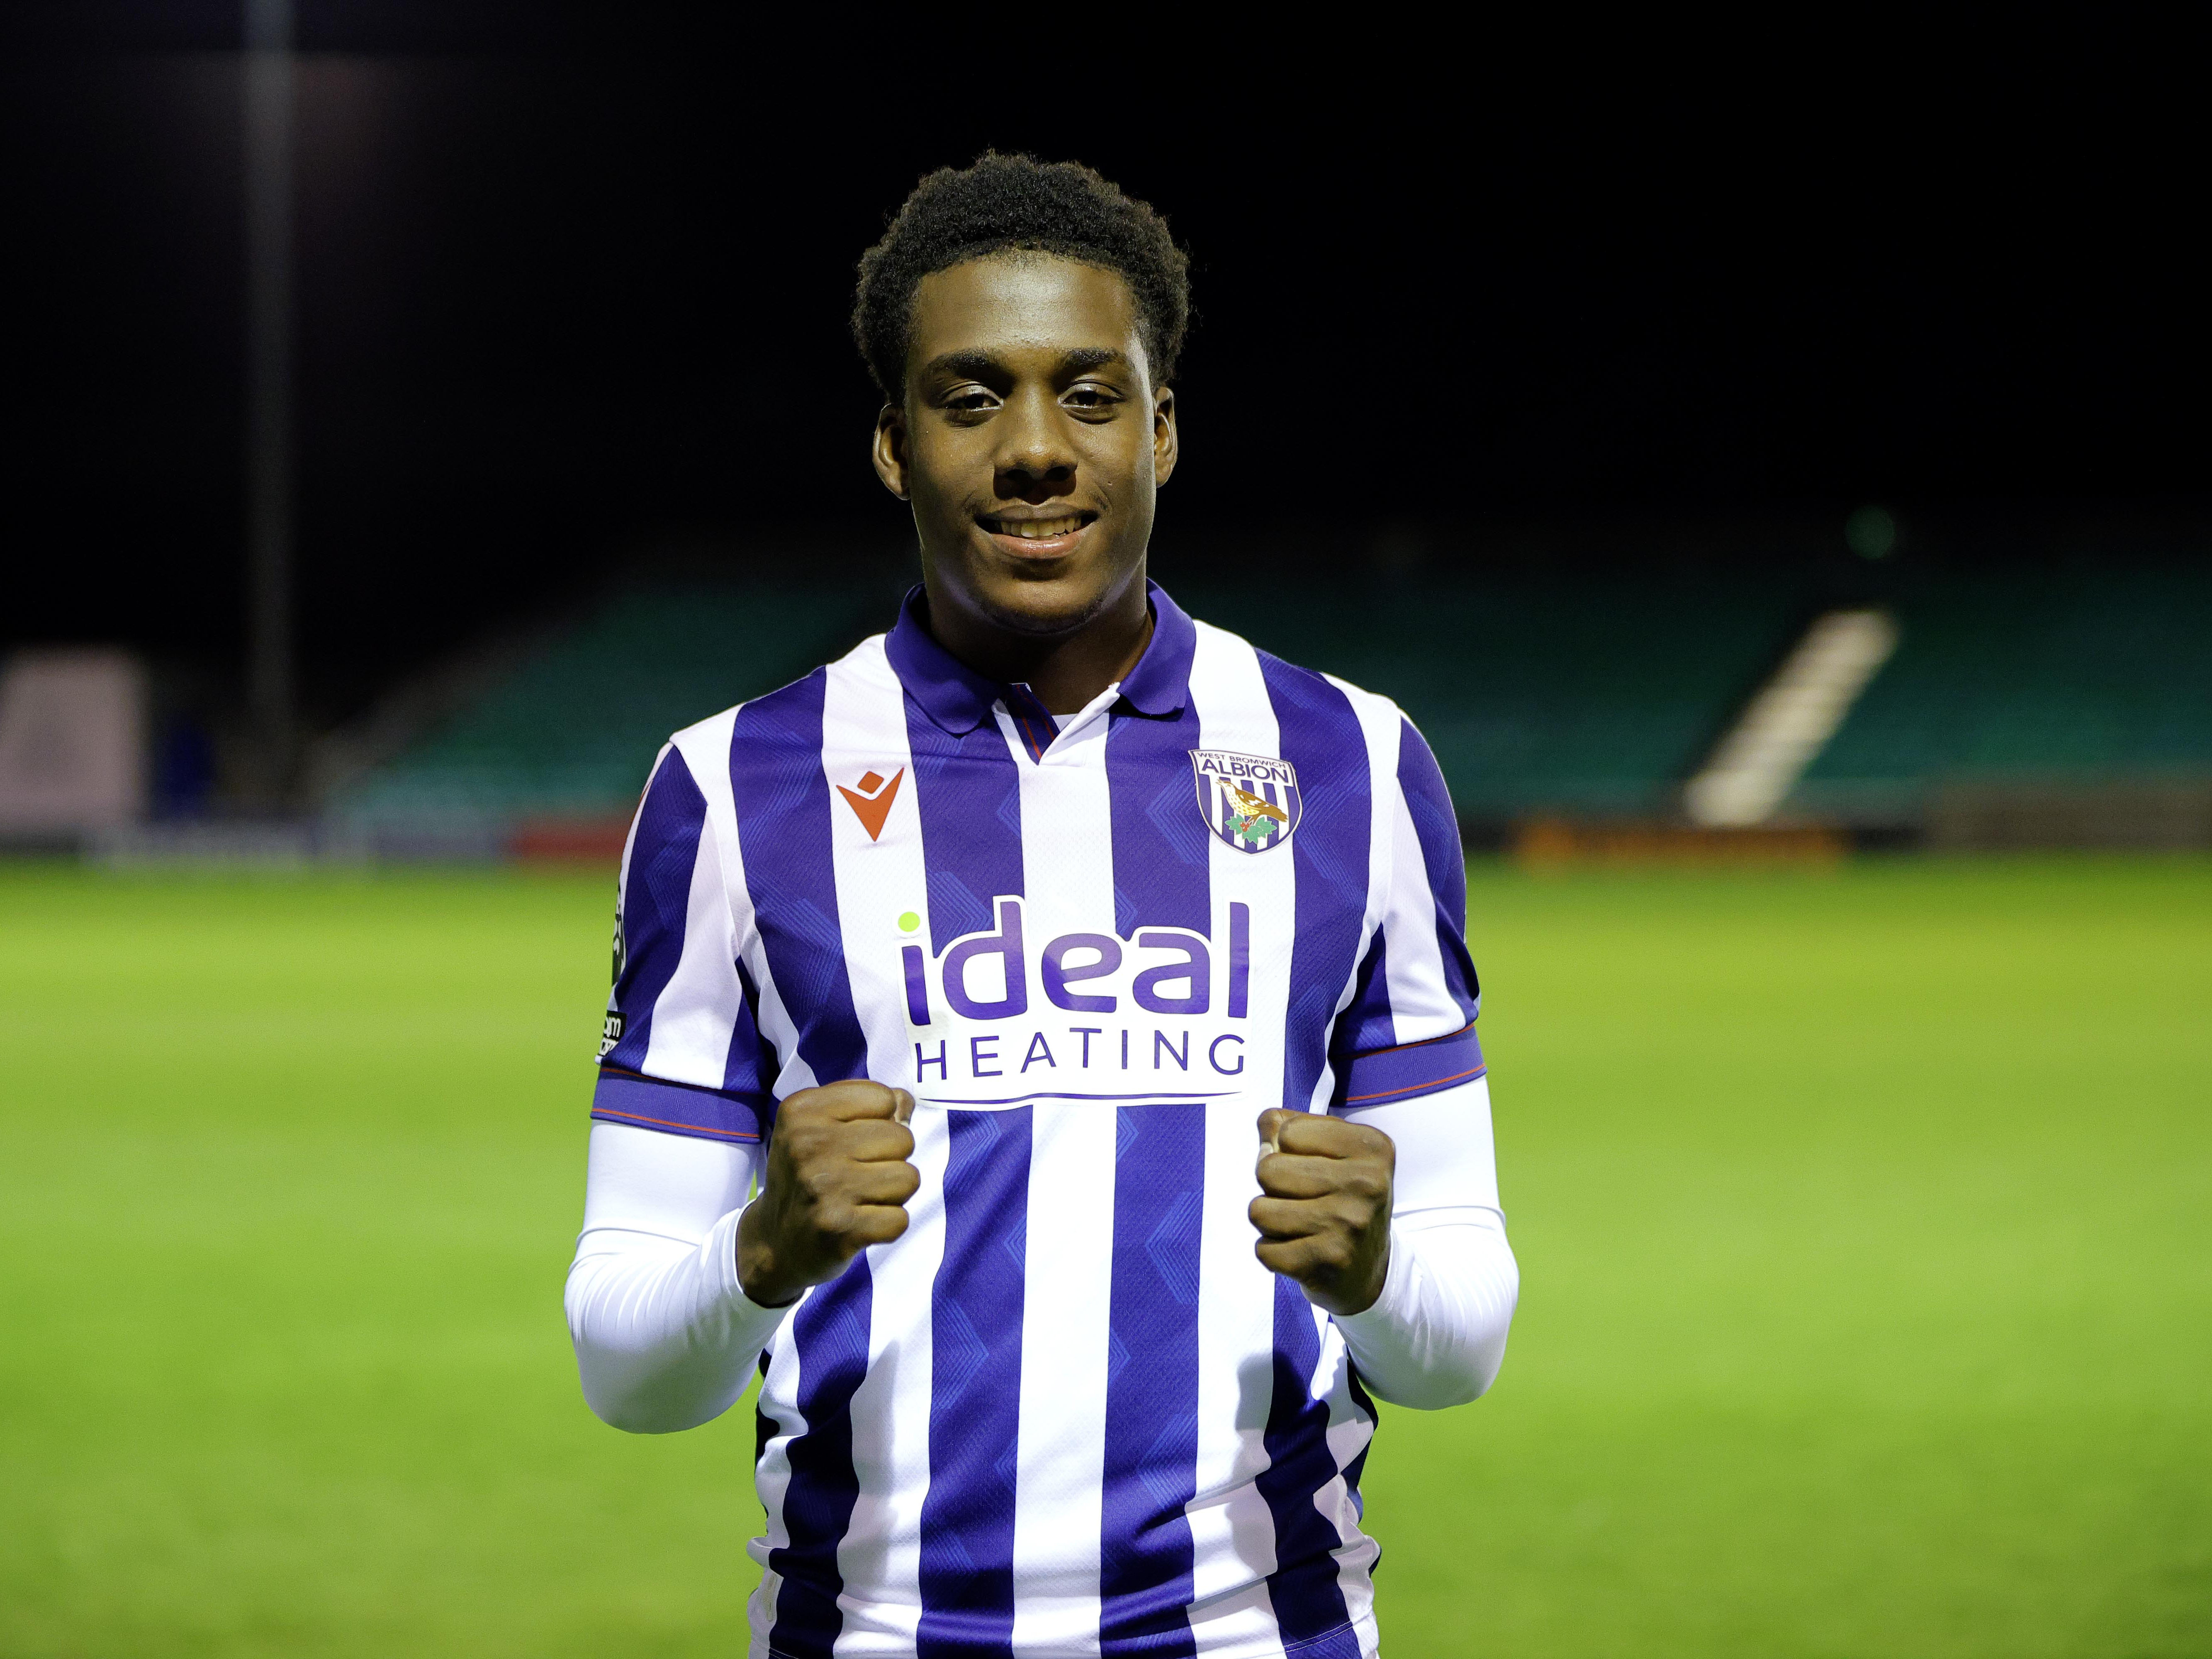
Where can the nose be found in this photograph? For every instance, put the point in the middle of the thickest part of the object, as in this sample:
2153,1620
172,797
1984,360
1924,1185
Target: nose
1035,461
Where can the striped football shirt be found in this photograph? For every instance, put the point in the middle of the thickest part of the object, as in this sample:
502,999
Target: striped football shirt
1068,1412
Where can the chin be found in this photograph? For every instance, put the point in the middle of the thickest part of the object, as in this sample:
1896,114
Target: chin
1046,608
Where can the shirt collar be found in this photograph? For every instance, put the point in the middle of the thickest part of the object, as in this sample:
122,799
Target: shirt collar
959,699
1159,685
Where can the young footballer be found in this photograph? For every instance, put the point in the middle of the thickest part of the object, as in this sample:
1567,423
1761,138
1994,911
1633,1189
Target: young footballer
1042,1040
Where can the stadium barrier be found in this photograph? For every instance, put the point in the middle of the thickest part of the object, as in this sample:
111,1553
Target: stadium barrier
1552,843
2139,815
580,841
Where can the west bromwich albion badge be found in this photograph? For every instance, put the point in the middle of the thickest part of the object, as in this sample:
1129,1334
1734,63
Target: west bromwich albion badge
1249,801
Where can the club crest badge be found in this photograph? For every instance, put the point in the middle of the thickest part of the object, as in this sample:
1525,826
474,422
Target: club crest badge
1249,801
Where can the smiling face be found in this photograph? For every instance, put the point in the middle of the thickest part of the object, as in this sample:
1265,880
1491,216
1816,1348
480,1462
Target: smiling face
1031,441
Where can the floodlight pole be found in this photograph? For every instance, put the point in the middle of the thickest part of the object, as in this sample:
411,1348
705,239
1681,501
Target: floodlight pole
270,689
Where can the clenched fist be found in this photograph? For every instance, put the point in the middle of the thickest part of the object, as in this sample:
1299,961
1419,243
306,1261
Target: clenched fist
837,1182
1323,1211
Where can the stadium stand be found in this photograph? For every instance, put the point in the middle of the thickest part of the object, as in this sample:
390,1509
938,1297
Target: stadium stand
1539,694
570,732
2065,679
1555,697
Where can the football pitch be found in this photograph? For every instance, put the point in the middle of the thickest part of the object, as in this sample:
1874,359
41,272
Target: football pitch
1863,1218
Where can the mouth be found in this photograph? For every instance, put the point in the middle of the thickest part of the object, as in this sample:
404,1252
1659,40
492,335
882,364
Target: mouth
1034,536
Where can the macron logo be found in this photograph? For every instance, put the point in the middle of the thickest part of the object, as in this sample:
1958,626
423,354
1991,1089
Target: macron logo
872,801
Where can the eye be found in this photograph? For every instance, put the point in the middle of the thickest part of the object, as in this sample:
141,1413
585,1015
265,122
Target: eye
1088,395
966,399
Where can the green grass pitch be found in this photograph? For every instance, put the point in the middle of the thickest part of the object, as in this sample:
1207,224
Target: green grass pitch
1863,1219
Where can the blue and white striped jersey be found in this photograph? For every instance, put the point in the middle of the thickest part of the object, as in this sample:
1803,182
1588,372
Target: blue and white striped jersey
1068,1412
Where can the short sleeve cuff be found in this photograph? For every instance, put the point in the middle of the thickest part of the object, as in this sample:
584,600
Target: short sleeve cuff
678,1108
1410,1070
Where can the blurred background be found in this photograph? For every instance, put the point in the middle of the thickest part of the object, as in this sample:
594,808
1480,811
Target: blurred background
1771,469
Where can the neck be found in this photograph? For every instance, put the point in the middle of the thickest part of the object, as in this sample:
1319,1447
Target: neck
1066,671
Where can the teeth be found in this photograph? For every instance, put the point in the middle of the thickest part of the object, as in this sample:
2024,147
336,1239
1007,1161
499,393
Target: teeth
1037,530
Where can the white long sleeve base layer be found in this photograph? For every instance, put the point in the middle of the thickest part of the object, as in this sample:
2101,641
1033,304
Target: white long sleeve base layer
666,1339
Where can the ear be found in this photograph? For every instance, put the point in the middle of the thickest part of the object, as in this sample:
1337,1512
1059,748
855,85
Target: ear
889,451
1166,445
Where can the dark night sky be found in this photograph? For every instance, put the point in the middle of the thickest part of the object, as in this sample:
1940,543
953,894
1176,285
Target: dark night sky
570,294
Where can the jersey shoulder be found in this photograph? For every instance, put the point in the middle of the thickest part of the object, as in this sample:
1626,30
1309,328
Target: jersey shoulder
1298,680
784,724
766,717
1310,691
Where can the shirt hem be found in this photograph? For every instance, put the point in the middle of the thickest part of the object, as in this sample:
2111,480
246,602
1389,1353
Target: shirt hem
1356,1626
1362,1627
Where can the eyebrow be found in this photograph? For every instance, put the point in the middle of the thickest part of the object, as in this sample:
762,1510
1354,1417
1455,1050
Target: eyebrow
979,365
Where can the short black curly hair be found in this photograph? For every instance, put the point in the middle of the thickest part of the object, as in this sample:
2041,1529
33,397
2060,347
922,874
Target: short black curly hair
1004,202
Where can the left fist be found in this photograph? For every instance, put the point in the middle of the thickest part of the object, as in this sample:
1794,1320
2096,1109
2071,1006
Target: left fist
1323,1211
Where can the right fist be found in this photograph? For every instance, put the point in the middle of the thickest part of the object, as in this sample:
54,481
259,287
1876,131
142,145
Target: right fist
837,1182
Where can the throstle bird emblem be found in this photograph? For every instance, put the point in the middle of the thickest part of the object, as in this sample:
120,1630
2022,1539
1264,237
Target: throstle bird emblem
1251,802
1248,818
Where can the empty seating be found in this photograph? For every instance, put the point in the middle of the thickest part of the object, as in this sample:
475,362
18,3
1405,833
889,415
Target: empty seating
1543,693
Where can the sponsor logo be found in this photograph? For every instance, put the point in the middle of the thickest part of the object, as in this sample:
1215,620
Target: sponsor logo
1249,802
1167,1000
871,800
610,1034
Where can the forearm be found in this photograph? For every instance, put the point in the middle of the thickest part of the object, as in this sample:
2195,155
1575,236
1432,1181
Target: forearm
1435,1336
665,1338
